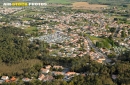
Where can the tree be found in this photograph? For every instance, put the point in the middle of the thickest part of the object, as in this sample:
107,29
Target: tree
112,29
123,34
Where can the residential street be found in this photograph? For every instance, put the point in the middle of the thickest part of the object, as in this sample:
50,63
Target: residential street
97,50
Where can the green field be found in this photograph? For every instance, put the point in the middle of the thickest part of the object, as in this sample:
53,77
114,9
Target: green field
103,41
30,29
9,69
59,1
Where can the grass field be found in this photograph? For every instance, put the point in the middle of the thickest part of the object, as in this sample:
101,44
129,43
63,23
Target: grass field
101,40
85,5
59,1
94,39
30,29
18,67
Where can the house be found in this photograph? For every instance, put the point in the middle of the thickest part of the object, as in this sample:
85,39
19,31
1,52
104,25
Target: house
7,80
102,58
4,77
57,67
79,46
99,61
43,70
48,67
1,81
48,78
58,73
70,73
26,80
41,77
114,77
13,79
80,55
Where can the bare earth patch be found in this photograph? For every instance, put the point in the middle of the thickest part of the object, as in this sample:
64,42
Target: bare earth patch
85,5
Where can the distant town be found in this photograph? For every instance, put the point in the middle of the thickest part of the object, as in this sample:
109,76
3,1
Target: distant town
70,33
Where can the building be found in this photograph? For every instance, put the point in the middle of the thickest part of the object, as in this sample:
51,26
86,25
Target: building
48,78
57,67
41,77
43,70
70,73
58,73
48,67
13,79
4,77
26,80
102,58
1,81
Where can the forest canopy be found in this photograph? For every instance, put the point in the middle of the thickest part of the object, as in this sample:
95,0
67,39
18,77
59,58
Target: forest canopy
14,47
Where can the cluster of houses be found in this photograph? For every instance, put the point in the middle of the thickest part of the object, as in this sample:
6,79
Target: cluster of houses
97,57
70,39
9,10
76,45
73,26
48,73
7,79
72,48
57,37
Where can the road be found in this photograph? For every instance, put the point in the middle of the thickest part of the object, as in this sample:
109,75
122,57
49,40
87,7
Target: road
65,70
116,31
97,50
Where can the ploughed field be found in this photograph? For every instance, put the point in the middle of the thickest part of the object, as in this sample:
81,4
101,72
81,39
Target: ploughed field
85,5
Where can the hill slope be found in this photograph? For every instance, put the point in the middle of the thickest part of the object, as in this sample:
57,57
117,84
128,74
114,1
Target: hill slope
109,1
106,2
93,1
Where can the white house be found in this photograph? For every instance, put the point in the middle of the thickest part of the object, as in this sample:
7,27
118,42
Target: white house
4,77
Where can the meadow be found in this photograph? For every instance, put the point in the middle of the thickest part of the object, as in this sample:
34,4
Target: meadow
18,68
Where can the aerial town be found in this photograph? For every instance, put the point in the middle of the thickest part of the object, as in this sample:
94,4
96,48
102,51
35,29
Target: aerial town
70,33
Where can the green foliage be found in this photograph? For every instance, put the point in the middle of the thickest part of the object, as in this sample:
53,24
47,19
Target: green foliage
112,29
123,34
59,77
125,56
14,48
112,55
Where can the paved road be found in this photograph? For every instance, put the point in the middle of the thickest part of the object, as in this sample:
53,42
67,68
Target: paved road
116,31
97,50
65,70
